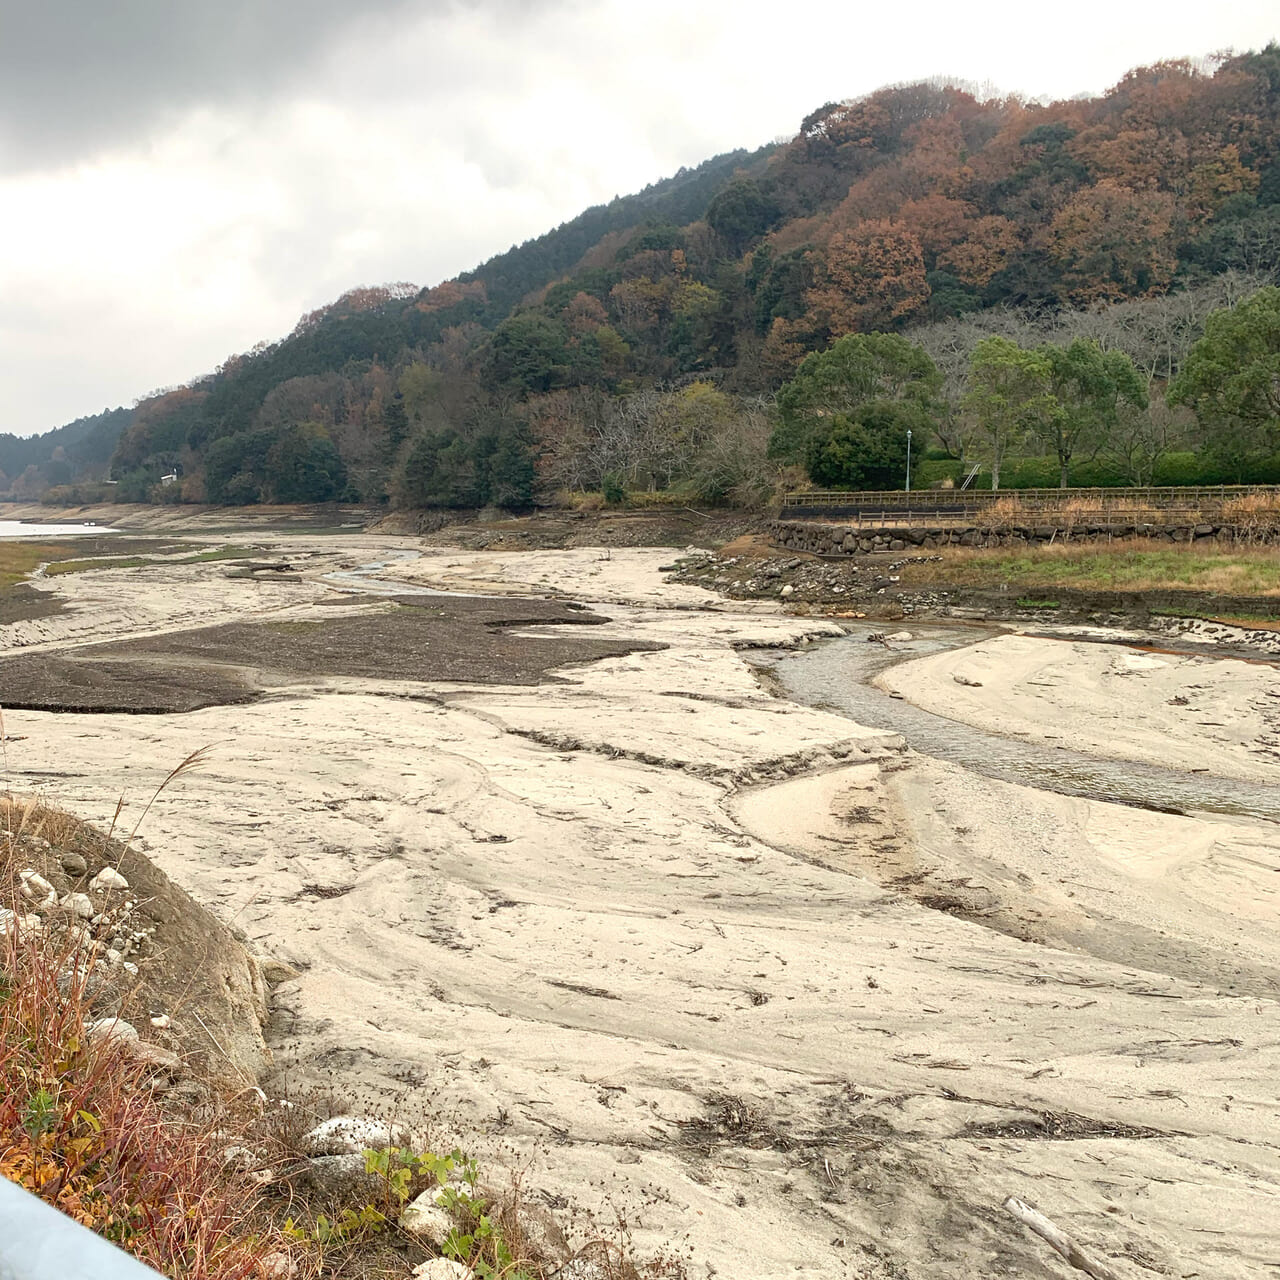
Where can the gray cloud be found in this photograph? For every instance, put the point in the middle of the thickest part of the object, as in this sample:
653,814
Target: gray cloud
80,76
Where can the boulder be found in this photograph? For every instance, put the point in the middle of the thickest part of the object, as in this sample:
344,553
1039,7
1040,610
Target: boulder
342,1177
35,888
72,863
106,879
346,1135
79,904
425,1219
113,1030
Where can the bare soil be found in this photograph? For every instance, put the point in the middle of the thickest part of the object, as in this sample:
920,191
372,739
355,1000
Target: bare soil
475,641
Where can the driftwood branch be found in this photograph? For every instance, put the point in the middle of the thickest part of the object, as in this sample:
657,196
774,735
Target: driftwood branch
1058,1240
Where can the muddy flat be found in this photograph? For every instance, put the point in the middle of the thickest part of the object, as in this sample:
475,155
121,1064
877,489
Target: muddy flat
418,638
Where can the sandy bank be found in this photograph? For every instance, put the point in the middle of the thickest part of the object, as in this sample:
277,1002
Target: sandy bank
646,918
1214,714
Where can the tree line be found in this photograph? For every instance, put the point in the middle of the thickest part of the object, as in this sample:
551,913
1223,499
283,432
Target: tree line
655,341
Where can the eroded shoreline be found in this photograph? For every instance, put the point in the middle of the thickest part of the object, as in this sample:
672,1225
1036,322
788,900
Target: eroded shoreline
633,916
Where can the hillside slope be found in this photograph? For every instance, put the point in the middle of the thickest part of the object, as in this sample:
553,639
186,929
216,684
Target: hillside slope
918,204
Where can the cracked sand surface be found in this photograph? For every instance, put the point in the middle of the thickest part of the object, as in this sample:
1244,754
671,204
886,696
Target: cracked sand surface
639,918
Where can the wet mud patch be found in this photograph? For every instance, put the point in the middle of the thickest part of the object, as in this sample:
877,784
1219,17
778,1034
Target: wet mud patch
471,641
22,603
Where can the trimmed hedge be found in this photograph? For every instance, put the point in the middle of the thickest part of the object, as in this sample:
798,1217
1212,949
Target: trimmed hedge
1042,473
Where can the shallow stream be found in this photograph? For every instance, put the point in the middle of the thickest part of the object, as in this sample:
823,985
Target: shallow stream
835,675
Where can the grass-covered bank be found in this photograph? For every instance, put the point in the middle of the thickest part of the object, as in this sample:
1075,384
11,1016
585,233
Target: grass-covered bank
1132,565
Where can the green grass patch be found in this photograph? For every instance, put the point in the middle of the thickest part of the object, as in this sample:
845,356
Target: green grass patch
1027,603
142,562
18,558
1132,565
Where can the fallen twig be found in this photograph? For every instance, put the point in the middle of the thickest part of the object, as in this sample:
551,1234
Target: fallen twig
1058,1240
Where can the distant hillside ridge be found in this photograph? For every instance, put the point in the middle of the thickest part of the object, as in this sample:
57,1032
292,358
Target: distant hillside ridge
642,341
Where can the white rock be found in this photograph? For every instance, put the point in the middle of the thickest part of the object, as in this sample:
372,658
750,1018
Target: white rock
108,878
345,1135
277,1266
901,636
161,1022
787,590
81,904
424,1218
443,1269
114,957
35,888
116,1029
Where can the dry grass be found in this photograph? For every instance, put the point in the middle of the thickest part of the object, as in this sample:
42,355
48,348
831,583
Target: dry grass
82,1124
1124,565
18,558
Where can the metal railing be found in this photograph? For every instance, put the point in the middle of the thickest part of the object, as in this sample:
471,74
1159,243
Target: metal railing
39,1243
983,517
961,501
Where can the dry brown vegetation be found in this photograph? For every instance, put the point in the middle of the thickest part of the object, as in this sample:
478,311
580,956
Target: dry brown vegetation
83,1120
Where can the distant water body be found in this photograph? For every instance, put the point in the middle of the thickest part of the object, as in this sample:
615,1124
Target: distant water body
24,529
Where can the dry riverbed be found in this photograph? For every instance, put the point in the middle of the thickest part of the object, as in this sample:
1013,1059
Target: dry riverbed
592,891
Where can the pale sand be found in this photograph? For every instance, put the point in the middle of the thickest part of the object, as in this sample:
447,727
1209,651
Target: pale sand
694,992
1219,715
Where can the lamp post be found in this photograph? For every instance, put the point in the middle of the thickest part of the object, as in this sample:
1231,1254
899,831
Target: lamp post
908,459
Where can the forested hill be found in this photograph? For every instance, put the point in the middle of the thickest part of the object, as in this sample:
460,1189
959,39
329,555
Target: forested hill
642,342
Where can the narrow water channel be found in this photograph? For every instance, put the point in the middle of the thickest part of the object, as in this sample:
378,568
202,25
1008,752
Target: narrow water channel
835,676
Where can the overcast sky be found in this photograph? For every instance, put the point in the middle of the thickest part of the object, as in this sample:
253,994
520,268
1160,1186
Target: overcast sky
182,178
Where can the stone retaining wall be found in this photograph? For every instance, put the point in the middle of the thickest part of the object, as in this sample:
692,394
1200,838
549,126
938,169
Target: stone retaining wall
844,539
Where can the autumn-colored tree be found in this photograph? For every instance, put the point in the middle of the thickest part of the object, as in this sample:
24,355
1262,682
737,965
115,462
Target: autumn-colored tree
937,222
986,247
1112,242
585,314
875,279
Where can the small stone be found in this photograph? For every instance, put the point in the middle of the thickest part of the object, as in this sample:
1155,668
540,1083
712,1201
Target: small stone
274,972
35,888
130,968
443,1269
156,1056
79,904
543,1237
351,1135
73,864
277,1266
787,590
161,1022
341,1176
426,1219
111,1029
114,957
108,878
